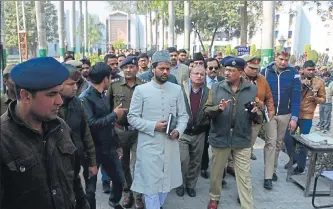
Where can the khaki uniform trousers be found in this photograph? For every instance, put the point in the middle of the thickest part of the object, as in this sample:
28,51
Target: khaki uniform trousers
255,131
242,170
128,141
191,149
275,131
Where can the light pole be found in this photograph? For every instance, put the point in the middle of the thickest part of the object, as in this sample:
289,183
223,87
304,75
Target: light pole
282,41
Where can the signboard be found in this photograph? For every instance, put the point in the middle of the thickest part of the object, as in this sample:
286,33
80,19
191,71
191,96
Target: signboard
241,50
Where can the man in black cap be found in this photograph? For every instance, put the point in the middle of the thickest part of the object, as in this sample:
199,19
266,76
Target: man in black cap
120,93
39,165
100,120
73,113
198,59
231,105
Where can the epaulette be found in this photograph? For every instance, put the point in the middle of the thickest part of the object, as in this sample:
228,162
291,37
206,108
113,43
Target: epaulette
115,80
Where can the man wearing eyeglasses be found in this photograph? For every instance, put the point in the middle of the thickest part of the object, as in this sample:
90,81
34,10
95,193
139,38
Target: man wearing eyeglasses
212,67
191,143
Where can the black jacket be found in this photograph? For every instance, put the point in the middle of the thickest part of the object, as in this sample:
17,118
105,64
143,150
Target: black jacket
100,119
38,171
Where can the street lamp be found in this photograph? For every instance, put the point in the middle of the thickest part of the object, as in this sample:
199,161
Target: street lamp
282,41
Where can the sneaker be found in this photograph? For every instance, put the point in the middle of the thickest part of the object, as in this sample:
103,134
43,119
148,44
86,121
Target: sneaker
106,187
275,178
128,200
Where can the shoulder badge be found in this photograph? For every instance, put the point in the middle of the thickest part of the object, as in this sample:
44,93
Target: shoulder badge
115,80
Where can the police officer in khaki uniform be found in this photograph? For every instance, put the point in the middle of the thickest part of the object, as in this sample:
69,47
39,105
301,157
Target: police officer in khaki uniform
120,93
9,95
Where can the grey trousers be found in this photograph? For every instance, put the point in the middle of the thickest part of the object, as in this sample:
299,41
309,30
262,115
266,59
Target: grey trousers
325,111
191,150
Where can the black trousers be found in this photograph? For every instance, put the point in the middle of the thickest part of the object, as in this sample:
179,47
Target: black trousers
205,157
112,165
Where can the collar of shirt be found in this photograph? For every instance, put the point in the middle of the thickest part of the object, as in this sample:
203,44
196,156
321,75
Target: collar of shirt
209,80
190,87
175,68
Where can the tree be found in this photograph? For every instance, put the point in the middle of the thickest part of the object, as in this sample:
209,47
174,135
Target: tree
30,16
95,28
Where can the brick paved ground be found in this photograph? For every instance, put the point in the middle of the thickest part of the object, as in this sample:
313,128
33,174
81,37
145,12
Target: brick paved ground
283,196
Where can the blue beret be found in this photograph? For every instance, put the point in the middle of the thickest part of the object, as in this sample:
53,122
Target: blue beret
129,60
39,73
235,62
224,59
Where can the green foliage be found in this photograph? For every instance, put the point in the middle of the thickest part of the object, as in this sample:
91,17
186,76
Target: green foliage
31,24
119,44
228,51
95,28
95,58
253,49
278,48
307,48
313,55
258,53
292,59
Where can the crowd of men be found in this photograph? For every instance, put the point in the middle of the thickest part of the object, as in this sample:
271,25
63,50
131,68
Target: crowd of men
147,120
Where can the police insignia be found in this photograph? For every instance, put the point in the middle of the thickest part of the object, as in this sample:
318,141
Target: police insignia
233,62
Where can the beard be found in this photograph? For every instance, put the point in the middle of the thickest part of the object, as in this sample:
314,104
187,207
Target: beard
160,80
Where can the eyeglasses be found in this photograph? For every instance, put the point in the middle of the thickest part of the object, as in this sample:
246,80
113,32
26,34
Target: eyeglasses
197,74
211,68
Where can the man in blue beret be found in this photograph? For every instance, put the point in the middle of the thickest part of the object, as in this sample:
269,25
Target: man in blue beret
101,119
231,105
120,93
39,163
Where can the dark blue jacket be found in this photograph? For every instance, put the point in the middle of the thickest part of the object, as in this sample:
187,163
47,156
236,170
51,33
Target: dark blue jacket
100,119
286,89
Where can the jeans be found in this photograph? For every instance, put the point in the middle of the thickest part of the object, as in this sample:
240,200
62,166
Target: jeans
105,176
299,158
109,160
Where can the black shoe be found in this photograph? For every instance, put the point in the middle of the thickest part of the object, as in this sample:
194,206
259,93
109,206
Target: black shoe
238,200
115,205
191,192
253,157
275,178
180,191
106,187
224,183
268,184
204,174
297,171
287,164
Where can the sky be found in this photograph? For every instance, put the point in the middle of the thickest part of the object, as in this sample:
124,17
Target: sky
99,8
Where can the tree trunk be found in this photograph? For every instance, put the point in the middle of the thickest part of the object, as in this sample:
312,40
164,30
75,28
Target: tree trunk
200,39
244,23
171,25
211,43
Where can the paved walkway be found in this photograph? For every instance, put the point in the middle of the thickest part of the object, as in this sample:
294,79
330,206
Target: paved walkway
283,196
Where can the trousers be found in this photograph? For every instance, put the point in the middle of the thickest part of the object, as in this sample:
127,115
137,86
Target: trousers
155,201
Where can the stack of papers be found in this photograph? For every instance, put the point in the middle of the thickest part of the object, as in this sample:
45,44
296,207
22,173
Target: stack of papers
314,137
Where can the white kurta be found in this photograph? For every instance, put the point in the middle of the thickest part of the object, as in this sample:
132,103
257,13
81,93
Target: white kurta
157,167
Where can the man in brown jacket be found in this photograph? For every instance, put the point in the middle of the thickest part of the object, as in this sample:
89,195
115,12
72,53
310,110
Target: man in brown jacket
264,95
313,93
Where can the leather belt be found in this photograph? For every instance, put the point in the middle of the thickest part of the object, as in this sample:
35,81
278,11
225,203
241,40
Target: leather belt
125,128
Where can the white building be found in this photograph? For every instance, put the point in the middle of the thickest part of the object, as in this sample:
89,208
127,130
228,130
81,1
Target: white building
303,27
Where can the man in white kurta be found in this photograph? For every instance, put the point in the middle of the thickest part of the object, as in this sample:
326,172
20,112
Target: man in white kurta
157,168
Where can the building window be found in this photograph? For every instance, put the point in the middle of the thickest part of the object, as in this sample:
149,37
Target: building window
290,34
291,19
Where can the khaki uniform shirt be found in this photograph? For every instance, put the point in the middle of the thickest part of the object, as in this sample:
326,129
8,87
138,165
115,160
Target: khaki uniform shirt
120,93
